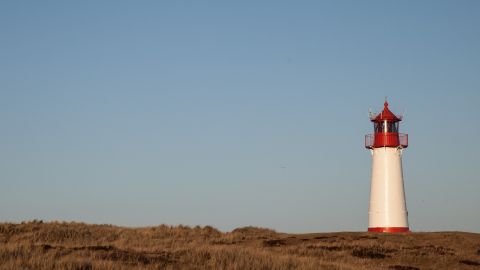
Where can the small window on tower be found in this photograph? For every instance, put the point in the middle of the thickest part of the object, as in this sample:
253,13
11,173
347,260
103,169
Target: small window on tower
392,127
379,127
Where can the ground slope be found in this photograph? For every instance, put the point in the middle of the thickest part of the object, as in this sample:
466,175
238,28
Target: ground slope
38,245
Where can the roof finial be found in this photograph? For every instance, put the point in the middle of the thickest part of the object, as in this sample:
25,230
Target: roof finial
386,102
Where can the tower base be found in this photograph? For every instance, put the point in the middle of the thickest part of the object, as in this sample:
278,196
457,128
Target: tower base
389,229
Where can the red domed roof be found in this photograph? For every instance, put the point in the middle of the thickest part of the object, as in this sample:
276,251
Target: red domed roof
386,114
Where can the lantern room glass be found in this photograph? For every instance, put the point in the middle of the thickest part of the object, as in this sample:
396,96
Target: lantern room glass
391,127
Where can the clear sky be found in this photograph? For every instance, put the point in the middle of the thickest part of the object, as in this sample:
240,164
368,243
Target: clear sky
230,114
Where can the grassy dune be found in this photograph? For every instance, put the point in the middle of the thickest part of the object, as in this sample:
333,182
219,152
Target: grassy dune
56,245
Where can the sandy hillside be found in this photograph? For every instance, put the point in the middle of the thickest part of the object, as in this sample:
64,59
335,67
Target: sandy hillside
38,245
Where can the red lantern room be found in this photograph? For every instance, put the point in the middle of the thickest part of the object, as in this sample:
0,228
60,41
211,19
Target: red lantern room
386,134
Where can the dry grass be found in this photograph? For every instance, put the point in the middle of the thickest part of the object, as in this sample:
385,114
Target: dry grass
77,246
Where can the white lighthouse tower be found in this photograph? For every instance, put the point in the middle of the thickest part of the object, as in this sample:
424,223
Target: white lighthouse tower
388,209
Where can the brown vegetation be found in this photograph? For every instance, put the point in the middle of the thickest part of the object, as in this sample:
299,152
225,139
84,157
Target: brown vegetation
77,246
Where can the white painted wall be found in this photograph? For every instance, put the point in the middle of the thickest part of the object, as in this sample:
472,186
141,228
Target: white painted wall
387,196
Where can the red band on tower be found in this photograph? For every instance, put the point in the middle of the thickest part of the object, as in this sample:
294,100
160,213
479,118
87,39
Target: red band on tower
390,229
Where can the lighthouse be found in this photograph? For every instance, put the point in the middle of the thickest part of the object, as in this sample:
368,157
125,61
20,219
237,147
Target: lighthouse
388,209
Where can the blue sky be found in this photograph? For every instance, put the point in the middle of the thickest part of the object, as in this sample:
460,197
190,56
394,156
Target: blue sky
233,114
